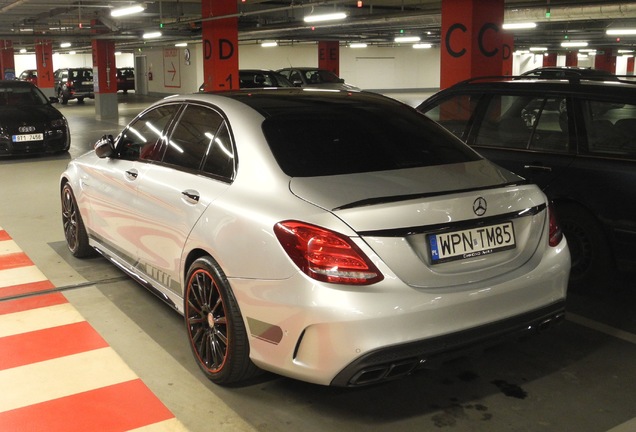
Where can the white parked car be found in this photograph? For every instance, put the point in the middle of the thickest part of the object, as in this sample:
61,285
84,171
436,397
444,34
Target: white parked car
333,237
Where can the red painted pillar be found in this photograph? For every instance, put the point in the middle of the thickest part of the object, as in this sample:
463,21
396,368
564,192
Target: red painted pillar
44,65
605,60
329,56
630,66
105,78
571,59
7,62
508,49
472,42
220,46
550,60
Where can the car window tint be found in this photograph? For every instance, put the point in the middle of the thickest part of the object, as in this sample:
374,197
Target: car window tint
610,127
354,138
142,139
522,122
455,113
192,137
220,156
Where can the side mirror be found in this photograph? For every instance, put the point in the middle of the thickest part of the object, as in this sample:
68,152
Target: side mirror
105,146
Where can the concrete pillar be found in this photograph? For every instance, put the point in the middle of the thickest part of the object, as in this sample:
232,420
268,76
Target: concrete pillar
507,53
550,60
571,59
220,46
630,66
7,61
44,65
472,43
105,79
605,59
329,56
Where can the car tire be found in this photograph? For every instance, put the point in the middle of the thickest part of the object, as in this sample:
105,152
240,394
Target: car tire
61,98
80,100
74,230
591,256
214,324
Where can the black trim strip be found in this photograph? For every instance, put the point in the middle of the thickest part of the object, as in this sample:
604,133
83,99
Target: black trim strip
396,198
404,232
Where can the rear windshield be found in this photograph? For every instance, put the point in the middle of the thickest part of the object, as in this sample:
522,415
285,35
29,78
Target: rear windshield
331,140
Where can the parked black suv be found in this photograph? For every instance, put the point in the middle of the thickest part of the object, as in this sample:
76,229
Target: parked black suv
74,83
576,139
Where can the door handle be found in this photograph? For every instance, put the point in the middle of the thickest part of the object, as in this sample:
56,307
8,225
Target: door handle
538,168
191,196
132,174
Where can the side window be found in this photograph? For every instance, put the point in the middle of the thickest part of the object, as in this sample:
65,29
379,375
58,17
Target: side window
220,158
525,122
192,137
295,77
143,138
455,114
610,127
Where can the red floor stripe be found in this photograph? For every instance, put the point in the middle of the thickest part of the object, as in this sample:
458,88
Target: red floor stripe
47,344
14,260
4,235
28,288
116,408
28,303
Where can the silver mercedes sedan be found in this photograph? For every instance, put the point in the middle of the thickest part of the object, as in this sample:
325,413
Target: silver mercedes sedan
339,238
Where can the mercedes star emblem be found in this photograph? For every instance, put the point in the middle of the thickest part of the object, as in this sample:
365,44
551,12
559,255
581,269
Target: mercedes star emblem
480,206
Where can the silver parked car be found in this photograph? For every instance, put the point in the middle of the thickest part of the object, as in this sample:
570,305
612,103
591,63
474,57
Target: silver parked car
333,237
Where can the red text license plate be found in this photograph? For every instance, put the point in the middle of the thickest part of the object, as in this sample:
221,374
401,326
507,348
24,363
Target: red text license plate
470,243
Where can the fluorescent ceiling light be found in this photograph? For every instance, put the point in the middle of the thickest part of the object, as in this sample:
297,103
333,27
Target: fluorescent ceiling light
357,45
181,44
517,26
325,17
269,44
407,39
588,50
624,51
72,52
618,32
117,53
23,50
573,44
127,10
522,52
422,45
152,35
535,49
580,55
65,44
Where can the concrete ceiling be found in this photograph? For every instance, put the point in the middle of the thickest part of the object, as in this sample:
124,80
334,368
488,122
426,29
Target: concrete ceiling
376,22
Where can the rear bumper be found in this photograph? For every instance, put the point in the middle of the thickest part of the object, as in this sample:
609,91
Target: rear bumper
400,360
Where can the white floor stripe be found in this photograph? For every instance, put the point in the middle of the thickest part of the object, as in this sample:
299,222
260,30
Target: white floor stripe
172,425
20,275
603,328
64,376
38,319
9,247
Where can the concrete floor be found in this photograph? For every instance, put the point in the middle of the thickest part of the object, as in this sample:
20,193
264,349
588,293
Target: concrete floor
579,376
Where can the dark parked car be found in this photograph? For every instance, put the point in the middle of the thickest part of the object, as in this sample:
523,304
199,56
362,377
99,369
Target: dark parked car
315,78
30,75
259,78
28,121
74,83
565,72
125,79
576,139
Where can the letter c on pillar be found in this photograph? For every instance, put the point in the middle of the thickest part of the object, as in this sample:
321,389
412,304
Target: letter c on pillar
451,29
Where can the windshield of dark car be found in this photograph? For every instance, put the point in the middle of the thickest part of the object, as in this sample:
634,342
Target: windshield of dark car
21,96
353,138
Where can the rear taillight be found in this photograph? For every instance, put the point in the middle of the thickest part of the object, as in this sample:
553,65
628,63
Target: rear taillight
69,84
325,255
556,235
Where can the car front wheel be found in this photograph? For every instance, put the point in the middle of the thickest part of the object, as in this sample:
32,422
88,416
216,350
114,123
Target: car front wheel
74,230
61,98
217,335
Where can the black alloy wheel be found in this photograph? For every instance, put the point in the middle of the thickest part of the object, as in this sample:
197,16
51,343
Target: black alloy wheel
215,326
74,230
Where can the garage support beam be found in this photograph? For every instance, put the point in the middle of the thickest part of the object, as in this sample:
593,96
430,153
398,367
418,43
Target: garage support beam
329,56
472,39
220,46
105,79
44,65
7,62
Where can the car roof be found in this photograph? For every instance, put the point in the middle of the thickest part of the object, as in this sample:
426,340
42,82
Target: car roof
14,83
530,84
